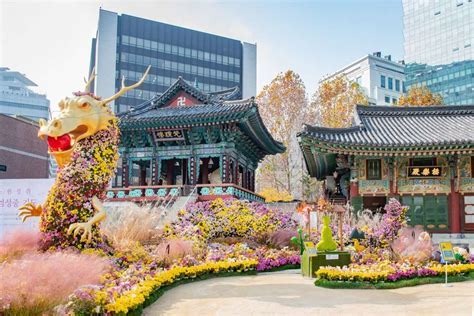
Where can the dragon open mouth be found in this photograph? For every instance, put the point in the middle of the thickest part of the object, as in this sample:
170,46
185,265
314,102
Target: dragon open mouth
60,143
65,142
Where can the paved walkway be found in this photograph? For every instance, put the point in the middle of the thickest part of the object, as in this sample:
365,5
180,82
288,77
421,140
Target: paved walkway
287,293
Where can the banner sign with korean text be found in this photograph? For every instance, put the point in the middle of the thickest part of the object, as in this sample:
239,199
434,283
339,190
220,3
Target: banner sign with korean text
14,193
425,172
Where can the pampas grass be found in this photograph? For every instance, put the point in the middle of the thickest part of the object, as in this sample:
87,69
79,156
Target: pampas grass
36,283
368,218
17,243
173,249
125,226
281,238
413,245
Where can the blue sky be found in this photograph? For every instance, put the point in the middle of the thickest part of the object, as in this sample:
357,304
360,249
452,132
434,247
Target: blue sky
50,41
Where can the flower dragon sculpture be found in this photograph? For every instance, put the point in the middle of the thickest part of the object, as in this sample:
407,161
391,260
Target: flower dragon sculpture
83,139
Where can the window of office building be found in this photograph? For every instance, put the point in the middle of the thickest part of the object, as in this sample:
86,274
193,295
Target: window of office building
387,99
397,85
382,81
390,83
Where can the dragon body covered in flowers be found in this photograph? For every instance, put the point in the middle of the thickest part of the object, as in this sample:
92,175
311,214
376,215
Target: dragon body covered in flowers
83,139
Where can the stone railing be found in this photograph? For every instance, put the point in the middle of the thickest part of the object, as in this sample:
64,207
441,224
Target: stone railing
210,191
144,193
161,192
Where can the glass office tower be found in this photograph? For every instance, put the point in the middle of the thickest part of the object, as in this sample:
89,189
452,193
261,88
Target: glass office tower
439,39
126,45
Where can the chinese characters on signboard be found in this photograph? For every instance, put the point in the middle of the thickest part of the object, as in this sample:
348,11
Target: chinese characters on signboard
425,172
170,135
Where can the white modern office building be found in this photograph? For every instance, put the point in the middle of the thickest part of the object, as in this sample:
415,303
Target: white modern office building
125,45
16,98
381,79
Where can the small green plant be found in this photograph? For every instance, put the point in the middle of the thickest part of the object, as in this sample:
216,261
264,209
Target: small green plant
299,241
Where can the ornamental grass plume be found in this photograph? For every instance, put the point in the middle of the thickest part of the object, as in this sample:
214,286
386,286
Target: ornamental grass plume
17,243
282,238
366,220
36,283
174,249
413,245
132,224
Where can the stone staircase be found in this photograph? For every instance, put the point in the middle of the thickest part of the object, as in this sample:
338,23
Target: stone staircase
171,213
167,208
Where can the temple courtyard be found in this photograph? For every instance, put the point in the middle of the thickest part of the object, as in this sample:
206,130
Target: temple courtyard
287,293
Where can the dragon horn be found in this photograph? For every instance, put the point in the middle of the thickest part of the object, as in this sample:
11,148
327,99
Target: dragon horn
89,82
124,88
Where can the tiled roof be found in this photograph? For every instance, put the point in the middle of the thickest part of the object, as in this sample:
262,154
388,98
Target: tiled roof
180,84
215,109
197,114
385,127
390,131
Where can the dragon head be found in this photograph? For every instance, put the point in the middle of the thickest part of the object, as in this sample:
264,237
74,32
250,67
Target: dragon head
79,117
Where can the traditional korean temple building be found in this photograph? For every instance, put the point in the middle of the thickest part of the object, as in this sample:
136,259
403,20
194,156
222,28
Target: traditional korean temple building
185,140
421,155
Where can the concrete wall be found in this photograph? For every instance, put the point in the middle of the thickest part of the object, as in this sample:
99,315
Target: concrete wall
249,70
106,50
21,151
367,71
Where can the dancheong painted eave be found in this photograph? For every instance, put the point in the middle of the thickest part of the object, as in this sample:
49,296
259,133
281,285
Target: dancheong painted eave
215,108
396,131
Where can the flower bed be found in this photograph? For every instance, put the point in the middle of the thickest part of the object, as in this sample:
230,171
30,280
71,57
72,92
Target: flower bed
392,285
381,274
205,221
120,296
136,280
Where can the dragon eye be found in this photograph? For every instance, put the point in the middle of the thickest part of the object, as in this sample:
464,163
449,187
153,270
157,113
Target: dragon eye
84,105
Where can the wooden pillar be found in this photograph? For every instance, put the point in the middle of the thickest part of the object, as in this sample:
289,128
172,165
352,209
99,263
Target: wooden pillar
391,175
224,168
142,174
252,180
454,209
353,185
249,180
192,175
125,171
354,189
184,172
237,172
158,171
205,170
169,171
154,170
454,198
